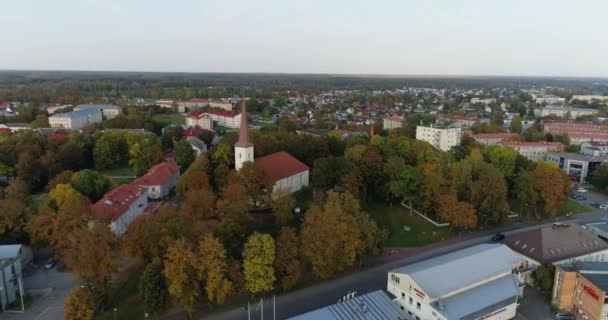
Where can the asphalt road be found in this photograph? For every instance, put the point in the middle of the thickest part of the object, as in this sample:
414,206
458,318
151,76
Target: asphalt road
326,293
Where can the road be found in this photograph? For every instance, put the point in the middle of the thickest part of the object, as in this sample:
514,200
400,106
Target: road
326,293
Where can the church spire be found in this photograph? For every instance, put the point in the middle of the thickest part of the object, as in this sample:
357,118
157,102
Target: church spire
244,131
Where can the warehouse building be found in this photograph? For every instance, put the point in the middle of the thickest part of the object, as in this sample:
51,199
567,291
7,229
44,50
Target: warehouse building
479,282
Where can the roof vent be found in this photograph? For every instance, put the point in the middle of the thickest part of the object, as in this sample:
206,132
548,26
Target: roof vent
108,202
524,246
531,250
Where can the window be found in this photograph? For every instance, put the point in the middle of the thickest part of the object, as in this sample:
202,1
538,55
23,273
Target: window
411,300
402,295
409,312
402,308
418,305
417,318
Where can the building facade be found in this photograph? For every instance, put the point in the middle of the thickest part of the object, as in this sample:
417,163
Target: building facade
11,281
441,138
563,112
578,167
108,111
392,123
75,120
492,139
580,289
534,151
159,180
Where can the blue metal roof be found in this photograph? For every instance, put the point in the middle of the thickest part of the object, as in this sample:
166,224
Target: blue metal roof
75,113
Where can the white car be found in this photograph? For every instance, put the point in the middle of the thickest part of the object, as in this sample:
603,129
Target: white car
581,190
604,206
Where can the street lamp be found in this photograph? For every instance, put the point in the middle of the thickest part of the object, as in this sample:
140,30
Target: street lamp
115,309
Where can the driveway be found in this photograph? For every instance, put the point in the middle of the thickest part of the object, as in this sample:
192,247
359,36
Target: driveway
534,306
51,288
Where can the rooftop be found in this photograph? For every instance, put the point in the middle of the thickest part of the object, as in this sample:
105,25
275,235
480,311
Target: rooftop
158,175
514,144
76,113
117,201
97,106
9,251
500,135
446,273
371,306
548,244
579,157
280,165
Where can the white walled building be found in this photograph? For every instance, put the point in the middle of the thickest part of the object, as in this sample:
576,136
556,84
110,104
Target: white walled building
392,123
206,120
11,281
120,206
77,119
550,100
441,138
159,180
535,150
479,282
563,111
108,111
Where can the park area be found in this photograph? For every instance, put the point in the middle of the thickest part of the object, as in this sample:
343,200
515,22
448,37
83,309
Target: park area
166,119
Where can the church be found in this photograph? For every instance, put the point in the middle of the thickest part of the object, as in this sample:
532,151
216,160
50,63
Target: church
287,173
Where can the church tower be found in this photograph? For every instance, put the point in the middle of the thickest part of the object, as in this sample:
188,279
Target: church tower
243,149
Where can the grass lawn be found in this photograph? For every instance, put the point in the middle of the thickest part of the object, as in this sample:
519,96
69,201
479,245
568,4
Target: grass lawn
167,119
263,124
125,174
572,206
39,199
125,298
394,218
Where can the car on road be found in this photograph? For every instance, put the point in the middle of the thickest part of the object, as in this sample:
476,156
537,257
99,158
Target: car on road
564,316
604,206
50,263
558,225
581,190
498,237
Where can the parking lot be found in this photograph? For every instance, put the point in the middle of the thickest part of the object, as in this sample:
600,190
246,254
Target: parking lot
534,306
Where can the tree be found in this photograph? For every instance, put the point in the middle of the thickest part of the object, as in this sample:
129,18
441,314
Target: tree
79,305
430,186
600,177
403,179
181,275
258,263
458,214
152,288
331,238
13,217
515,126
144,155
489,194
552,186
282,206
257,183
287,262
170,135
504,159
31,171
198,204
90,255
223,154
212,267
70,156
41,121
524,191
90,183
17,189
111,150
232,210
544,276
183,154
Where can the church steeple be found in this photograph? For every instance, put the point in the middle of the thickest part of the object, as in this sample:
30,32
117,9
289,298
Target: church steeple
243,149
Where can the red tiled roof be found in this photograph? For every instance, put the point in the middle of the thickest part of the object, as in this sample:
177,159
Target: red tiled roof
196,131
196,100
228,114
158,174
117,201
58,135
5,130
280,165
448,116
195,115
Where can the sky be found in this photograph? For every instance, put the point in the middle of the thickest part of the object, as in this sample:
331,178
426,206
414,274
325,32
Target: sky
399,37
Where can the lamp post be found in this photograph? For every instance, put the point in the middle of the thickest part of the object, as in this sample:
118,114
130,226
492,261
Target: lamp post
115,309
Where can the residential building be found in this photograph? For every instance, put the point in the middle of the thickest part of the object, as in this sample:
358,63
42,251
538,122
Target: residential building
463,122
550,100
442,138
206,120
589,97
580,288
51,110
76,119
563,111
534,151
14,127
578,132
479,282
579,167
594,148
226,106
159,180
108,111
287,173
392,123
198,146
120,206
183,106
558,245
492,139
11,280
376,305
484,101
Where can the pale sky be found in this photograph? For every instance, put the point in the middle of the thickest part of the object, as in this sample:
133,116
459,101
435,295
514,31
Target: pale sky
410,37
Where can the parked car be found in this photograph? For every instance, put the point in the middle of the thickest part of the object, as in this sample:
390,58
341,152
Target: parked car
50,263
557,225
581,190
498,237
564,316
604,206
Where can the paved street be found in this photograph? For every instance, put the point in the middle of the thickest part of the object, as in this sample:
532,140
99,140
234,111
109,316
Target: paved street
534,306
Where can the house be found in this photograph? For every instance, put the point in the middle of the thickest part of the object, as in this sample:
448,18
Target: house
120,206
492,139
108,111
207,120
76,119
479,282
594,148
581,289
550,100
14,127
159,180
579,167
563,111
11,280
579,132
463,122
534,151
389,123
558,245
286,172
442,138
198,146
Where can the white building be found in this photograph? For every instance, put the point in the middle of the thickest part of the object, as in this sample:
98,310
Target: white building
534,151
484,101
77,119
108,111
392,123
120,206
563,111
589,97
479,282
578,167
206,120
492,139
14,127
198,146
441,138
11,281
159,180
550,100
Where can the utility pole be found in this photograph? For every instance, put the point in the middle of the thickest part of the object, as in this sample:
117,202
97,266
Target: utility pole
274,307
262,304
248,311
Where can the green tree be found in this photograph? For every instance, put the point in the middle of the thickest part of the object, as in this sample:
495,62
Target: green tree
183,154
516,126
258,263
524,191
152,288
489,194
504,159
600,177
90,183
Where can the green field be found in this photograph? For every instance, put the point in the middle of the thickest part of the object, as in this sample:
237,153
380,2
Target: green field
394,218
119,175
572,206
167,119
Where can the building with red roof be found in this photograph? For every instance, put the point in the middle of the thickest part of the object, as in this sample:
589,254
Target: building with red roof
535,151
159,180
121,206
206,120
288,173
491,139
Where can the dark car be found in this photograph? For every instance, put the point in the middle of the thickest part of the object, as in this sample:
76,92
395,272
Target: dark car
50,263
498,237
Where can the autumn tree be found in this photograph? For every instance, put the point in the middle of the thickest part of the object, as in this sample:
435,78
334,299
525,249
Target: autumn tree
79,305
430,186
282,206
152,287
489,194
257,183
198,204
144,154
258,263
524,191
212,268
13,218
233,209
552,185
90,255
457,213
287,258
181,275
